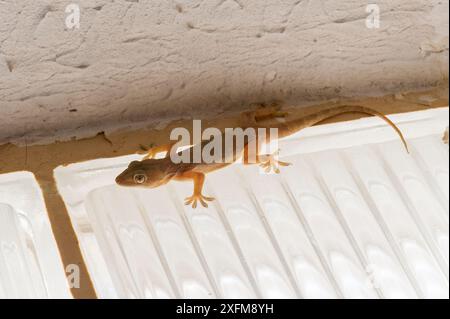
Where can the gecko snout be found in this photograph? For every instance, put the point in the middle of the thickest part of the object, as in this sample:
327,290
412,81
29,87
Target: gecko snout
131,178
120,179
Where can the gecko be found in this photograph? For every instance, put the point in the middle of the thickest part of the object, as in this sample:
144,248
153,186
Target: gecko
445,136
152,173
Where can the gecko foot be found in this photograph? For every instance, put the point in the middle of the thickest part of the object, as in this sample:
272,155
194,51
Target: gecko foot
445,137
152,151
151,154
270,163
192,200
264,112
148,151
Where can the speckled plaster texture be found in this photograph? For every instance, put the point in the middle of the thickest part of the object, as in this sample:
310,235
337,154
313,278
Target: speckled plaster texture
146,62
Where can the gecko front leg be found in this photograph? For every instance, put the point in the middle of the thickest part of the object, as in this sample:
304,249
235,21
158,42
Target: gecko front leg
153,151
199,180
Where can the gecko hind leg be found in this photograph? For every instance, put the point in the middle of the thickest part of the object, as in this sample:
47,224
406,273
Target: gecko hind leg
264,113
270,162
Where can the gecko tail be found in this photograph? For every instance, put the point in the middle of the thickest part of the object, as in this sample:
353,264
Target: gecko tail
314,119
395,127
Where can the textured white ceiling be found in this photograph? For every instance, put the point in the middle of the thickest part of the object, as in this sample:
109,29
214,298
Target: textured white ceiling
155,60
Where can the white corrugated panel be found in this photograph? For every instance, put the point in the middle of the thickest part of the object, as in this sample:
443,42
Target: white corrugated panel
30,265
354,217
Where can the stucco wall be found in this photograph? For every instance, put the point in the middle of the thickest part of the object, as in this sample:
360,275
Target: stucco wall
150,61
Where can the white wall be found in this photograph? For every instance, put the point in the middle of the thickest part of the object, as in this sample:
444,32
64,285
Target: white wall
133,61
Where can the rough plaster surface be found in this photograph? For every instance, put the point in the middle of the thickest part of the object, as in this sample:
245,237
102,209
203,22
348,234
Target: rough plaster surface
150,61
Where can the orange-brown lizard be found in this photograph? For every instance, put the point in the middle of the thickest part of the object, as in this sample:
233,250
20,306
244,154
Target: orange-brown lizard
153,173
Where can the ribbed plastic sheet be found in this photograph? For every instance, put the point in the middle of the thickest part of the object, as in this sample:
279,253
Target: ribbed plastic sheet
30,265
355,216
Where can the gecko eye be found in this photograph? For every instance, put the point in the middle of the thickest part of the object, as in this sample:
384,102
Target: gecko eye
140,178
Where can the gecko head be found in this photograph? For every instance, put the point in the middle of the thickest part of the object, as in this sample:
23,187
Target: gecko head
147,173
